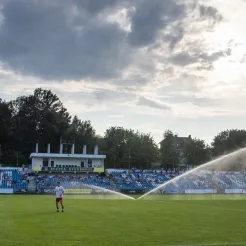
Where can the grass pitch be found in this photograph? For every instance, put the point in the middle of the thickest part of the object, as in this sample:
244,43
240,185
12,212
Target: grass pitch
167,220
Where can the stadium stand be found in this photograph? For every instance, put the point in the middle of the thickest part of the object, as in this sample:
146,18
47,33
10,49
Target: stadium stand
10,178
140,179
71,182
127,180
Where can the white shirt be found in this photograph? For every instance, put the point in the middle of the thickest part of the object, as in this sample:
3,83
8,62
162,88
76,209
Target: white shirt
59,191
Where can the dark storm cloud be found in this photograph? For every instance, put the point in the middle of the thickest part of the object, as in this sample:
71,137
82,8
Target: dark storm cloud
143,101
152,16
59,40
46,40
96,6
208,12
184,58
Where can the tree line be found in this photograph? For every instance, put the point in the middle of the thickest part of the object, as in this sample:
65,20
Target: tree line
42,117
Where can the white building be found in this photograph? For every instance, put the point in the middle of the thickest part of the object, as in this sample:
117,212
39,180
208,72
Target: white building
68,162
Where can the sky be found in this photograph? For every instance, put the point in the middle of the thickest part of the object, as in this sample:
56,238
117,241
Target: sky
140,64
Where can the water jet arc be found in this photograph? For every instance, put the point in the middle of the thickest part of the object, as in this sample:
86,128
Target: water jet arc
112,191
235,154
94,187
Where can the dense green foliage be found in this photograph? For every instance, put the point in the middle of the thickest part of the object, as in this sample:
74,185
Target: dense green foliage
32,220
228,140
197,152
42,117
169,157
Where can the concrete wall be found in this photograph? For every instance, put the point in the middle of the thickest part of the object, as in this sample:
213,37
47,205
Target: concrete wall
97,163
38,162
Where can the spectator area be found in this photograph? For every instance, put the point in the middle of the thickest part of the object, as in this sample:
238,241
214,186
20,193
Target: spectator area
127,180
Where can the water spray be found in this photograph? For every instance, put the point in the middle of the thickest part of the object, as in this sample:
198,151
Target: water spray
223,160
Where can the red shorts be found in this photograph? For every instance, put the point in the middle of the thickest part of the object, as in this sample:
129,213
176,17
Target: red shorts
59,199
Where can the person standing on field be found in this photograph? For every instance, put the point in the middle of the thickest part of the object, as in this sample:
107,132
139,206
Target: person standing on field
59,193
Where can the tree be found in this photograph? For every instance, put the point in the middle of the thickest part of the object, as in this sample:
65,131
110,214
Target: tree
128,148
115,140
196,152
228,141
5,122
170,159
40,117
6,129
83,133
142,149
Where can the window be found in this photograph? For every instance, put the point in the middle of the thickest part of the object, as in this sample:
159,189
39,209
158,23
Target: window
89,162
52,163
82,164
45,162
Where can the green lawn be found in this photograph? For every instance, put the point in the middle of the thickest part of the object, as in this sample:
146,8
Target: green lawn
189,220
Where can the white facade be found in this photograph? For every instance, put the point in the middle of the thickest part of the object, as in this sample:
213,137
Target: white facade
57,160
62,160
